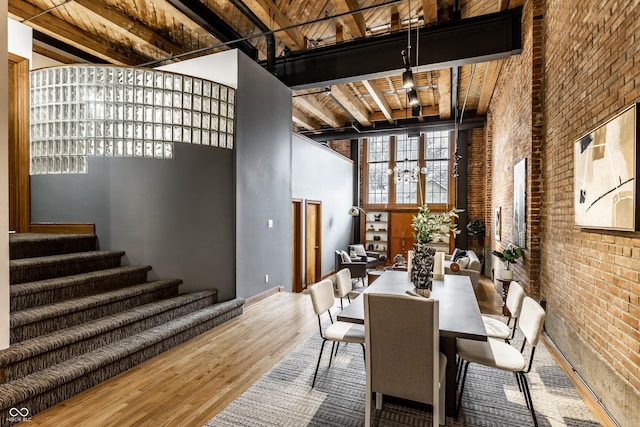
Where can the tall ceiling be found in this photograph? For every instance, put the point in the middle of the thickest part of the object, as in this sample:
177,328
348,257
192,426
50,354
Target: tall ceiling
317,47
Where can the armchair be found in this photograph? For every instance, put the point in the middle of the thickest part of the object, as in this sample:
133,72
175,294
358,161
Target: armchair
371,258
358,269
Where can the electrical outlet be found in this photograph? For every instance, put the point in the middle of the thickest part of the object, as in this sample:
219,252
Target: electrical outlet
266,278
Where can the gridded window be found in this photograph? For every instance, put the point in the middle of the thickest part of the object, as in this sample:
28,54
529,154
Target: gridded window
436,154
378,156
406,174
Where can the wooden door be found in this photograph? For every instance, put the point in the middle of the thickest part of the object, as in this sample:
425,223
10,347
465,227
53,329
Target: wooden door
296,245
313,247
400,233
18,106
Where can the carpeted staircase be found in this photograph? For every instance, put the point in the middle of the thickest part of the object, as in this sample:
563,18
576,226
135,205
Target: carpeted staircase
78,318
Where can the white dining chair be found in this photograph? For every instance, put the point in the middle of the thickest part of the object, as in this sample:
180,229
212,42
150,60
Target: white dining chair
403,359
323,298
344,286
498,329
501,355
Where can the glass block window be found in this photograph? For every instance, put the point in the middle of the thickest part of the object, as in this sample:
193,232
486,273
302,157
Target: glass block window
378,179
436,154
407,150
101,110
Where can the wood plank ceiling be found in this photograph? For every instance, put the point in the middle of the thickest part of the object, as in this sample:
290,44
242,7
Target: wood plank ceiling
153,32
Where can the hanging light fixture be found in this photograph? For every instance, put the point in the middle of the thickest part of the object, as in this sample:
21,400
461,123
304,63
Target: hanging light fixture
413,97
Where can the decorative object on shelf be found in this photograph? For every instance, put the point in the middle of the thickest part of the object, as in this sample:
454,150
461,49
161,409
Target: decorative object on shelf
80,111
376,217
370,246
428,226
509,256
399,260
376,237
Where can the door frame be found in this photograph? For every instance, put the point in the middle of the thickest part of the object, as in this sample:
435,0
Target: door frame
296,249
318,232
18,123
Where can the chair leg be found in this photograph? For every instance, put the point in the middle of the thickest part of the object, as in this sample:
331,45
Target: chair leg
364,353
464,377
519,381
528,398
318,364
333,345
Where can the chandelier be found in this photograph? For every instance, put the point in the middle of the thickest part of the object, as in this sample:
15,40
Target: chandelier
404,174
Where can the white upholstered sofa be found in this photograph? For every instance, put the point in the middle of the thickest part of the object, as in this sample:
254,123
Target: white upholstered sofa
469,264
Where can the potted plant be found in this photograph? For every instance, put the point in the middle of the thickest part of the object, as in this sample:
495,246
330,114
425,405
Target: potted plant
427,226
509,256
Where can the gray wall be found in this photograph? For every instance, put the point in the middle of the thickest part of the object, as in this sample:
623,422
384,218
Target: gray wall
263,180
175,215
320,173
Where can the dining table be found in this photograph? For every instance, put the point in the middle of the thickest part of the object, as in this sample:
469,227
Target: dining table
459,316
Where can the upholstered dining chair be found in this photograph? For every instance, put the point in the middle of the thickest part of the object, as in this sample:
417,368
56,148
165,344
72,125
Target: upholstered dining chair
498,329
403,356
344,286
323,298
501,355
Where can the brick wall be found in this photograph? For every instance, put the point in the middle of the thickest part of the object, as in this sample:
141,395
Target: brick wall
342,146
510,136
476,185
592,71
580,65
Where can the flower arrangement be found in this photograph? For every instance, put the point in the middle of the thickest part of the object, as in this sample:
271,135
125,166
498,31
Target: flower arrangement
429,225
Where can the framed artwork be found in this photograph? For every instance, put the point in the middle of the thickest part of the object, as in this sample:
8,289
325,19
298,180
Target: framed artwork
520,203
605,168
497,225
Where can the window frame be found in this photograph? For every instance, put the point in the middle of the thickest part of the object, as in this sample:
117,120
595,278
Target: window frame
392,205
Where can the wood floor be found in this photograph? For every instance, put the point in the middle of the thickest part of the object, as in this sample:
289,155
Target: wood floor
189,384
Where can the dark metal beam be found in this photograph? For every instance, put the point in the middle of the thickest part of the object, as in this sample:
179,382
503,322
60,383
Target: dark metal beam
67,48
207,19
445,45
411,125
269,37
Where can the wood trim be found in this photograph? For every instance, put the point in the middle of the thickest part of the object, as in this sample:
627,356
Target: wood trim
329,274
590,400
251,301
296,253
53,228
19,162
318,233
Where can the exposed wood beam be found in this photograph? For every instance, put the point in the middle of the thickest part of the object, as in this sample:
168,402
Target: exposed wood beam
444,93
430,95
429,111
48,43
72,35
488,85
443,45
354,21
275,19
430,11
199,13
138,29
359,95
317,109
353,105
503,4
393,90
301,120
395,19
53,55
378,97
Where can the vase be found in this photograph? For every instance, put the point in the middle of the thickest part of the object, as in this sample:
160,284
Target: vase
422,265
507,275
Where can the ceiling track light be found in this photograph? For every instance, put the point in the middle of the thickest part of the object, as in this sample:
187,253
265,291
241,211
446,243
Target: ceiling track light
413,97
407,79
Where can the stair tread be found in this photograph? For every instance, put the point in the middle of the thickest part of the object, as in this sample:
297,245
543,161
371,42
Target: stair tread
28,245
15,264
36,314
44,380
45,343
73,280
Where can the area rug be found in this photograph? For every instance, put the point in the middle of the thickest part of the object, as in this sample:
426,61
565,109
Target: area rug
284,397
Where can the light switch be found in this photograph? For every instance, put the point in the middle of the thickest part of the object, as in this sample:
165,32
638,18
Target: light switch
270,223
